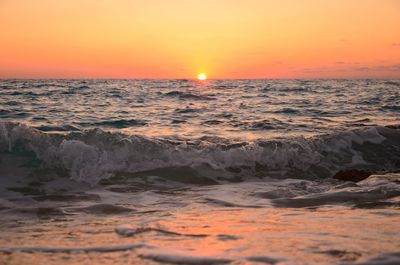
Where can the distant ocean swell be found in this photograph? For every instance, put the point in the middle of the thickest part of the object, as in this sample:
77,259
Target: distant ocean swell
94,155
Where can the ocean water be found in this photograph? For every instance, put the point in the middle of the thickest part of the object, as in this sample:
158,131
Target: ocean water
190,172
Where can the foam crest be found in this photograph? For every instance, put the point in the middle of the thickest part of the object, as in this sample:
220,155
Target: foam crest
93,155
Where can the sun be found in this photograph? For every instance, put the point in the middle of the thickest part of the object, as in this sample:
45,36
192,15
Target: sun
202,76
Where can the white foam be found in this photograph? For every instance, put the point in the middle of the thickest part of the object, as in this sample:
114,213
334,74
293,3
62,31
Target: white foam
95,155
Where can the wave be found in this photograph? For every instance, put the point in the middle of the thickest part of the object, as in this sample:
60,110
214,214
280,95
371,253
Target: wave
121,123
63,128
94,155
187,96
45,249
287,111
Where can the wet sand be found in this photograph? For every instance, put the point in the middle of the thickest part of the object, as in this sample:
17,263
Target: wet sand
198,225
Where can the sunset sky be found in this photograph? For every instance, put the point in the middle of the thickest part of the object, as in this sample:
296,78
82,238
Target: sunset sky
181,38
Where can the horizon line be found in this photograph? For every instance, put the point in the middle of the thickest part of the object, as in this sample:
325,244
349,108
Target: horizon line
195,79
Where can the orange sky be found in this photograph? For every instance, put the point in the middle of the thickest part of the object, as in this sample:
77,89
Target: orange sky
180,38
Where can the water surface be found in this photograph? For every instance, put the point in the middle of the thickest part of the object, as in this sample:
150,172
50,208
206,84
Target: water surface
187,172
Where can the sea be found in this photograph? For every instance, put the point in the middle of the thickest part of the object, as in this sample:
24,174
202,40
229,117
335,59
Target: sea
208,172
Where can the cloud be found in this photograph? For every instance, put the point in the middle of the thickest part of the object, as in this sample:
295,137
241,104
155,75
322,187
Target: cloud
362,69
396,44
386,68
320,69
352,69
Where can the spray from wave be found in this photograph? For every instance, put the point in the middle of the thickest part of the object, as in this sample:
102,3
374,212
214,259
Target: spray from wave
93,155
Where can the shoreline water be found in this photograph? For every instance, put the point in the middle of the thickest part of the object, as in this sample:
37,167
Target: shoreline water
170,172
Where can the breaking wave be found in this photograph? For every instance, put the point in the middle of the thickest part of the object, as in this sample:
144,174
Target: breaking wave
93,155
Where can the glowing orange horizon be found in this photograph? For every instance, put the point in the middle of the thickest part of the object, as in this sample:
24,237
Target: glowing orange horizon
177,39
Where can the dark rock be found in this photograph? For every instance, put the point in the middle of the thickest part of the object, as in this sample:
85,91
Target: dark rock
354,175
